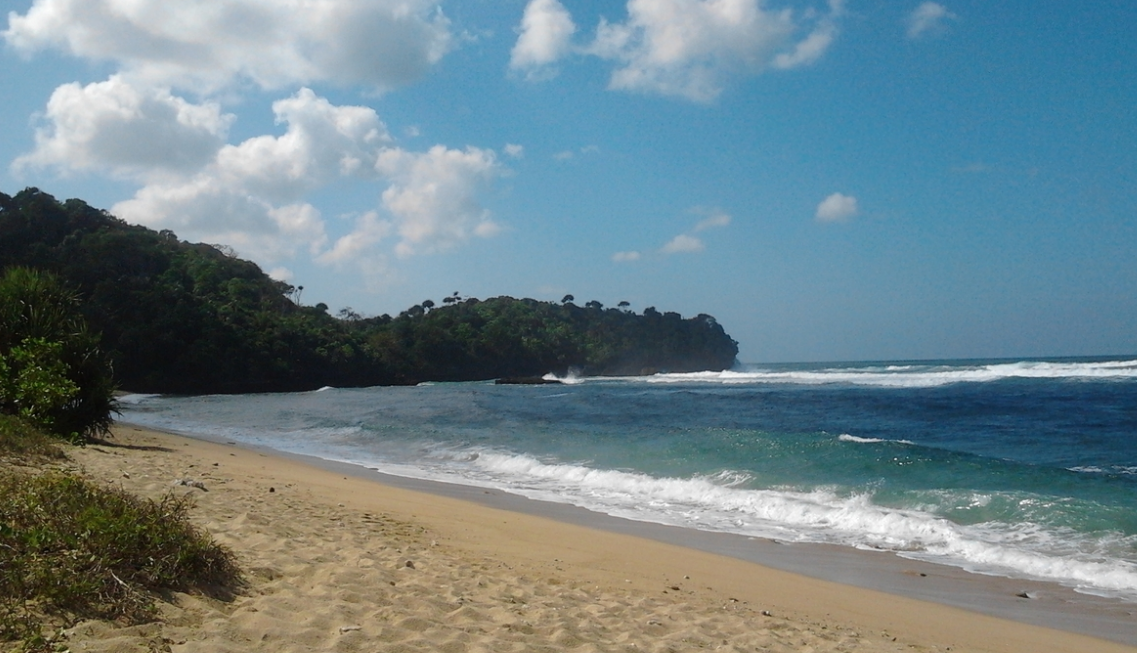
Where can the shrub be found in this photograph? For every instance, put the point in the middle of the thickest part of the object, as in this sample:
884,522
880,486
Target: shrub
51,370
72,550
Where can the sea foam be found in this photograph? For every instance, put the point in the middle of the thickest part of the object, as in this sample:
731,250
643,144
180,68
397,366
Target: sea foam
910,376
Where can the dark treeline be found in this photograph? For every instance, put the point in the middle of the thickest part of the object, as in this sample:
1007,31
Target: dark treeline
178,317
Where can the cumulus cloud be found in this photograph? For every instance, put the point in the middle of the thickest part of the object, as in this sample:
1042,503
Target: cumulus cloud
115,127
625,257
205,44
199,209
929,16
251,194
545,36
689,48
369,231
433,196
322,142
683,243
836,208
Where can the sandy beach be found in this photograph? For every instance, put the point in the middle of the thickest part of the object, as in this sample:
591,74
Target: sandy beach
335,562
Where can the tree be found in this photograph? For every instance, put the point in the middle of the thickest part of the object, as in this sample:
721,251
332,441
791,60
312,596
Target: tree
52,372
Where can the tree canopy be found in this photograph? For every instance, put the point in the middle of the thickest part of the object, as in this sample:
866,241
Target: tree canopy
180,317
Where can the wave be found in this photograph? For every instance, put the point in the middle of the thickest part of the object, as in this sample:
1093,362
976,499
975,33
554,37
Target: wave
572,378
912,375
723,502
134,398
845,437
1121,470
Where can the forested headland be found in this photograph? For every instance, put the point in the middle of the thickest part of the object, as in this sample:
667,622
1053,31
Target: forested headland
178,317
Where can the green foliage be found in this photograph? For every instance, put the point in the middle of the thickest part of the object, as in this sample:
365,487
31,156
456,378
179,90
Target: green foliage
37,383
72,550
177,317
51,370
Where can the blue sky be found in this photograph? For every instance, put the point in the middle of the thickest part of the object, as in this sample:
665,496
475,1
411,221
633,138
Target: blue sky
832,180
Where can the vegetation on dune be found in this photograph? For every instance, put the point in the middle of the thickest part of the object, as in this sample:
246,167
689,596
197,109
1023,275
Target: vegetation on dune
72,550
177,317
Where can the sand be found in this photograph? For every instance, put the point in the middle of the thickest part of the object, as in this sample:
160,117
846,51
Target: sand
340,563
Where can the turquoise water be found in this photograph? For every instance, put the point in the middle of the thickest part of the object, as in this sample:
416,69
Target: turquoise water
1018,468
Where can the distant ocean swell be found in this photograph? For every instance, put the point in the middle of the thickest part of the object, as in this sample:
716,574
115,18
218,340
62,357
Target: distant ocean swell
914,375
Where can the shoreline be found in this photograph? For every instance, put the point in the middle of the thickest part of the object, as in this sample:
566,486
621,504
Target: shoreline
710,574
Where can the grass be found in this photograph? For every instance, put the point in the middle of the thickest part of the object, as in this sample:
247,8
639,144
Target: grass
72,550
22,443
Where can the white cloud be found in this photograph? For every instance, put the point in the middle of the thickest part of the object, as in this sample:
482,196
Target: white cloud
514,151
927,17
545,37
715,219
625,257
836,208
564,156
280,274
206,44
682,243
809,49
322,142
250,195
689,48
254,195
433,195
369,231
201,210
114,127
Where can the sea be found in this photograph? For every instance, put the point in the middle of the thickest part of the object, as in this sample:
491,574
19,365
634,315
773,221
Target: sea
1017,468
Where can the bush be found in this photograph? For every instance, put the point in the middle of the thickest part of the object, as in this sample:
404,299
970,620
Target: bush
72,550
52,372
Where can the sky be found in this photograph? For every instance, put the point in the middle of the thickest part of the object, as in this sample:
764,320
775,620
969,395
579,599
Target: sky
834,180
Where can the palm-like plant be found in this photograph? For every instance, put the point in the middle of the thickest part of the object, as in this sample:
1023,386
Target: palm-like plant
51,369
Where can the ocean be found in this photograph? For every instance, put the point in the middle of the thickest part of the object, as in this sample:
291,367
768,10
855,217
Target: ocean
1016,468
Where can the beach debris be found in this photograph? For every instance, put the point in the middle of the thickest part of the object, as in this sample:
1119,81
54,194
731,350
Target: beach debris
189,482
272,489
410,564
1027,595
348,629
766,613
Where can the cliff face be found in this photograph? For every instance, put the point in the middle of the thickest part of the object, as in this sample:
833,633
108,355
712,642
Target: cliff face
178,317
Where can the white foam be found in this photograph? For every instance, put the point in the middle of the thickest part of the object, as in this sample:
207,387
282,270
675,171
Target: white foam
1112,469
845,437
914,375
722,502
572,378
134,399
